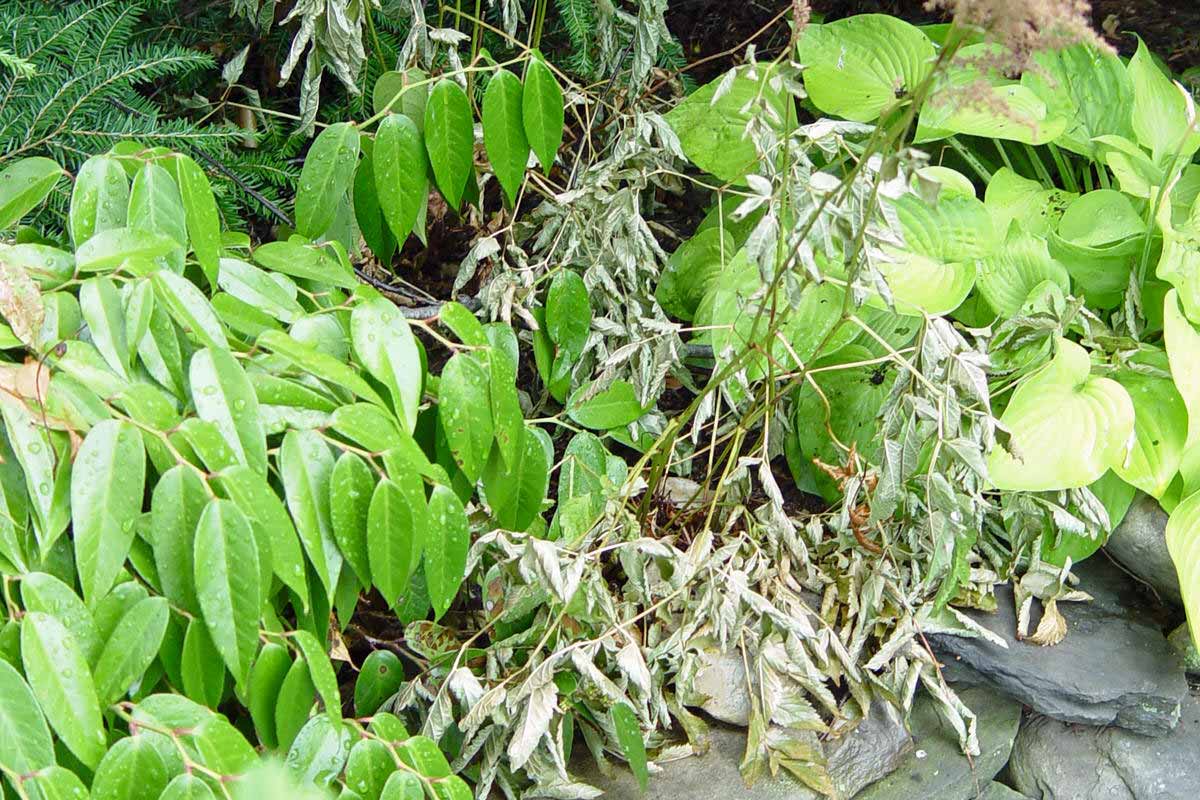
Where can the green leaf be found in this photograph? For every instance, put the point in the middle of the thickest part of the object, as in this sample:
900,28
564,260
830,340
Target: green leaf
1008,275
25,743
190,309
629,736
262,691
311,262
110,248
446,548
307,469
423,755
1087,87
106,499
1160,430
515,491
156,206
859,66
325,178
465,413
368,426
260,289
321,671
449,139
228,583
56,783
222,747
131,770
1068,428
202,667
100,199
321,365
568,312
319,752
368,214
402,786
1183,543
404,92
507,418
387,348
200,213
295,701
1164,115
370,763
381,676
542,112
223,396
62,683
612,407
178,500
350,488
396,524
691,269
463,324
100,304
47,594
1183,354
23,186
401,173
504,131
36,454
131,648
187,787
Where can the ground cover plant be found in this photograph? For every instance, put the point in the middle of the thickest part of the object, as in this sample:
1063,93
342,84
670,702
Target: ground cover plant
558,375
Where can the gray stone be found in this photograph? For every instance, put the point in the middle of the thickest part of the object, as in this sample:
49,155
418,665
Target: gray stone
1140,544
718,686
937,769
998,791
869,752
1113,668
1181,640
1054,761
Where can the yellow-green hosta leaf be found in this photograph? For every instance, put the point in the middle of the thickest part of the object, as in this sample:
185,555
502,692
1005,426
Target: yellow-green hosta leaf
1068,428
1164,114
858,66
1183,543
1160,432
1007,110
1010,196
923,285
1179,264
1007,276
1183,354
1087,87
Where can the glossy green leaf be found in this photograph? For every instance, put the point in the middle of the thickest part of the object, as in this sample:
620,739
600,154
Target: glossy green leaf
1068,427
295,701
108,249
690,271
201,665
368,426
222,747
396,526
380,677
321,365
325,178
387,348
858,66
321,671
307,468
370,763
1008,275
462,323
178,500
266,681
106,498
23,186
504,131
401,173
62,683
568,312
405,92
515,490
100,304
131,770
156,206
1183,543
449,140
56,783
48,595
1164,114
612,407
465,413
319,752
187,787
190,309
263,290
367,213
305,261
350,488
629,736
200,213
228,583
402,786
1160,431
223,396
1183,354
100,199
1088,88
446,546
25,743
507,419
131,648
542,112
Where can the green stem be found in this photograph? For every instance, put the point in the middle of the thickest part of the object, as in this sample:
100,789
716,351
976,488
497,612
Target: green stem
972,161
1039,166
1088,184
1105,183
1064,169
1003,154
375,39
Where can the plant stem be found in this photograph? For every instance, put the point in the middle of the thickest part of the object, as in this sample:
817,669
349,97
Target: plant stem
1039,166
972,161
1064,169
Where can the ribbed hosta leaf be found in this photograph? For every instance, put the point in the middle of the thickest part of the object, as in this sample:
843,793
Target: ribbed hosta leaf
1068,427
1008,275
1183,542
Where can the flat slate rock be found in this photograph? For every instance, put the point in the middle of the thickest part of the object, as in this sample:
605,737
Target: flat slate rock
866,754
1114,667
1055,761
937,769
